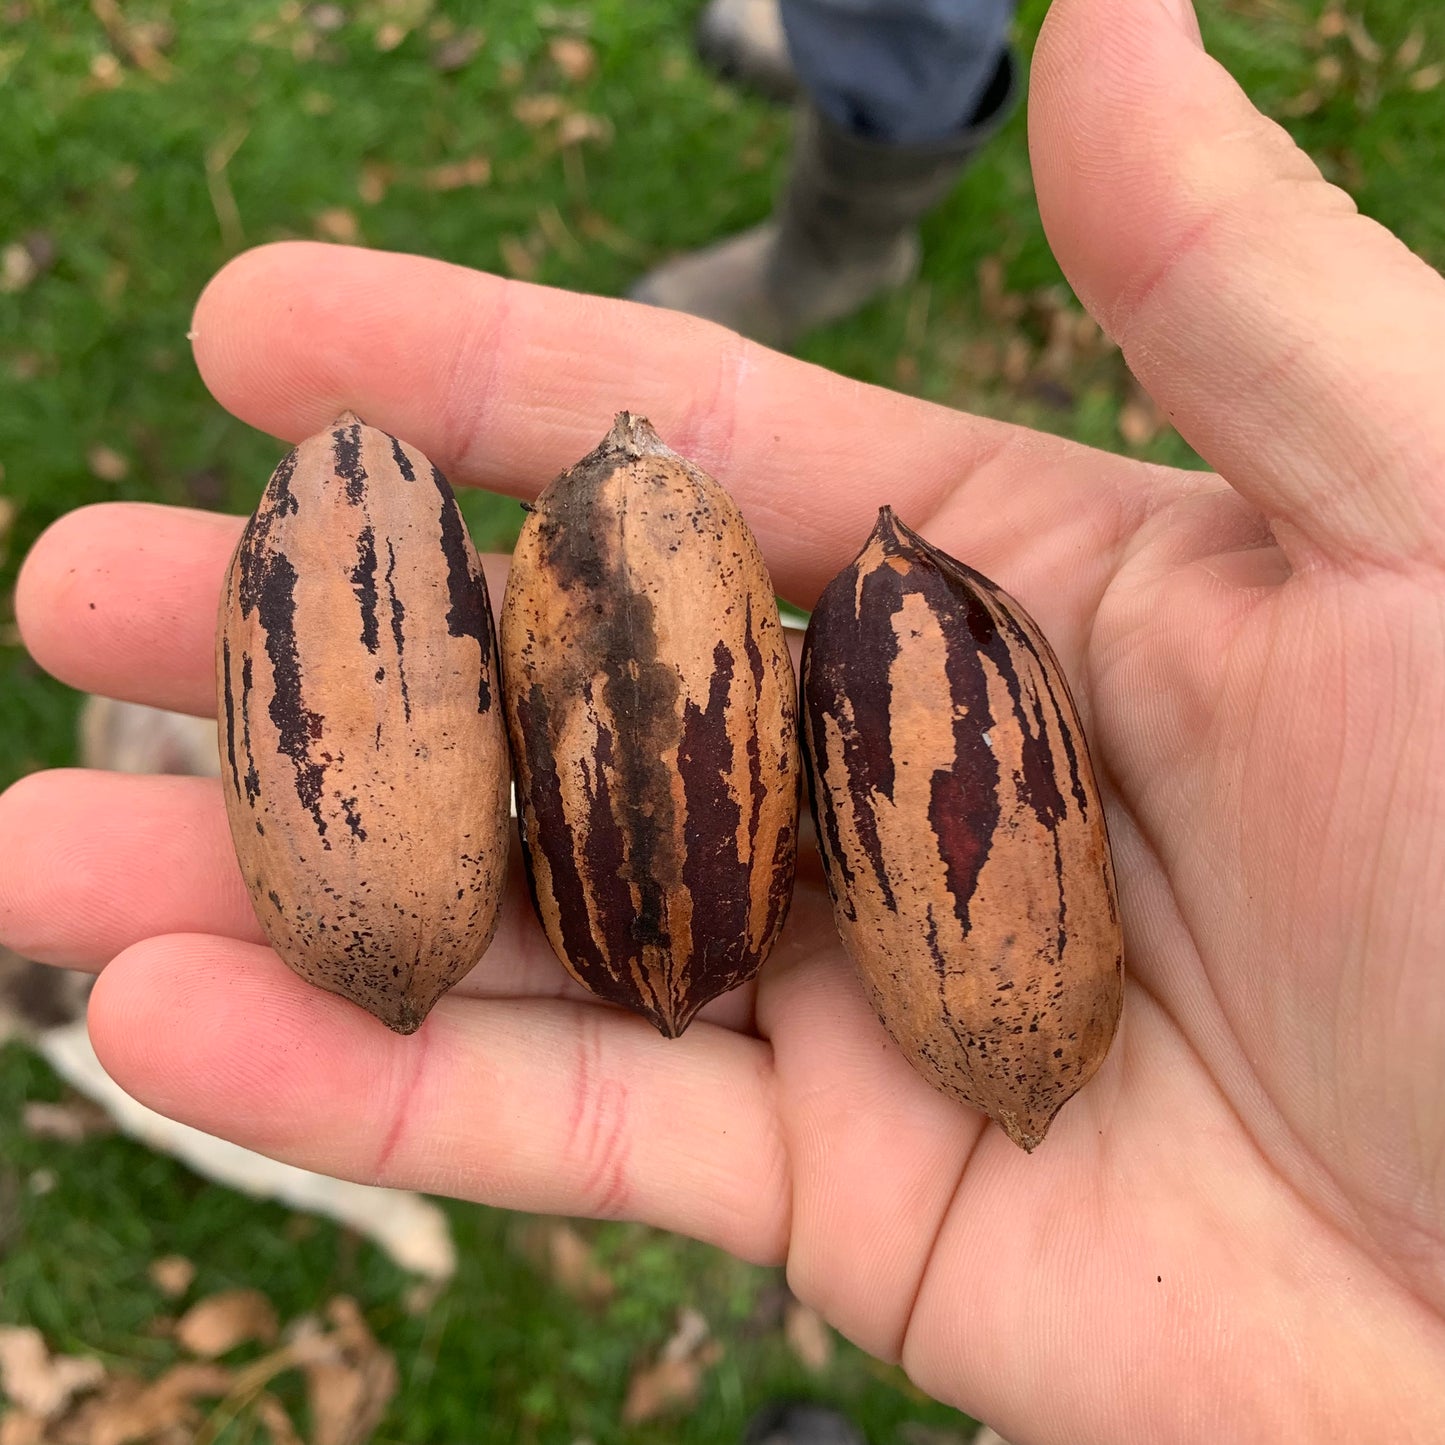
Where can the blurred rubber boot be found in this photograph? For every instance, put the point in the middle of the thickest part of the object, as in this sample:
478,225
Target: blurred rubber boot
743,41
789,1423
845,231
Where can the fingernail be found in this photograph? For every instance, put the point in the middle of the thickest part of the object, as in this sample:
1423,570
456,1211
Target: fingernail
1183,14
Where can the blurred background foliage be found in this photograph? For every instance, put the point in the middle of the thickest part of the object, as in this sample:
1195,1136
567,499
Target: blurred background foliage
142,143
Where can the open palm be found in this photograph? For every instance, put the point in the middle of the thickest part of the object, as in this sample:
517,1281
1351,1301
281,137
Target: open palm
1237,1231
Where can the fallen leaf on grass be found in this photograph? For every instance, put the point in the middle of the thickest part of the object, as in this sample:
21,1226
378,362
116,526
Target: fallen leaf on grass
140,43
277,1423
578,126
809,1337
1428,77
1140,418
17,268
20,1428
573,56
105,71
337,224
38,1382
454,175
374,181
325,18
457,51
71,1121
106,464
672,1383
1412,47
222,1321
1361,41
518,258
349,1395
535,111
574,1267
998,303
172,1275
125,1414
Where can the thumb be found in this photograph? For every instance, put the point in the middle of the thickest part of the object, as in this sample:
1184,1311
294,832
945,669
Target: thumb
1294,343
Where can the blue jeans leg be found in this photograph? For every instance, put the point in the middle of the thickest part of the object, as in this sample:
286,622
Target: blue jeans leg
905,72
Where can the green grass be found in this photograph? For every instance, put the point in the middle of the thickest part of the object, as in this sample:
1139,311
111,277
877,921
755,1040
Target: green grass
113,179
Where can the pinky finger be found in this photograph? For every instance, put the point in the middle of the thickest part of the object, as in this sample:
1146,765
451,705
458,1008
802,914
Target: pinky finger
545,1105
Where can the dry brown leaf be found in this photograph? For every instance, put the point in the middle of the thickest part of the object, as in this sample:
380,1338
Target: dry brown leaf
222,1321
668,1387
37,1381
337,224
573,56
17,268
998,303
456,51
140,43
1329,71
1140,419
7,513
454,175
1412,47
573,1266
105,71
348,1396
672,1383
578,126
277,1423
131,1411
809,1337
518,258
1428,77
535,111
1361,41
17,1427
1331,24
390,34
172,1274
107,464
74,1119
1017,360
1307,102
374,182
325,18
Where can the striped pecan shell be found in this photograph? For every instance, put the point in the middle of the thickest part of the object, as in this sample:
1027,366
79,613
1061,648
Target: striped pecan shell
363,754
650,698
961,830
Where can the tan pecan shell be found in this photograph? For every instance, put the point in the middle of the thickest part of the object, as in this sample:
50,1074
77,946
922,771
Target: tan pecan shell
961,829
650,698
363,754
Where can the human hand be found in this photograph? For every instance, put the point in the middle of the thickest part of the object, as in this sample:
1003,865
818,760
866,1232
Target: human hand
1237,1230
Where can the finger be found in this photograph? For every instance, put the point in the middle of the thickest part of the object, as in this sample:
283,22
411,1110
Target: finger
504,384
1293,342
120,599
556,1107
875,1153
92,862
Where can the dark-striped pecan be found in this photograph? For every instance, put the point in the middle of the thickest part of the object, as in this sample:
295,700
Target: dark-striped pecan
363,754
961,829
650,699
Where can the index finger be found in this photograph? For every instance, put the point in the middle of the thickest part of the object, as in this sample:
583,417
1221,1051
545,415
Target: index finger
503,384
